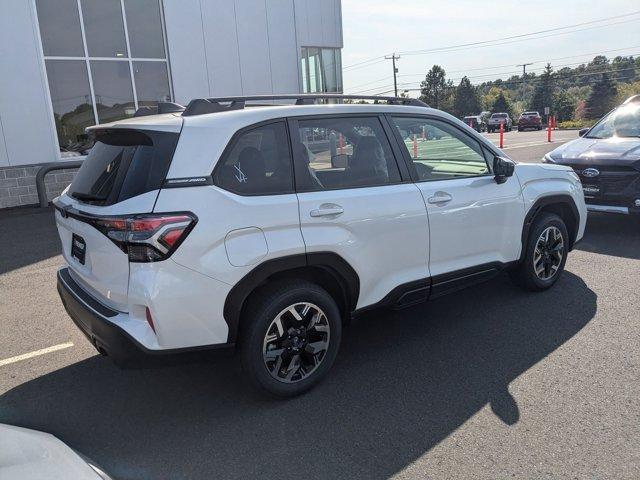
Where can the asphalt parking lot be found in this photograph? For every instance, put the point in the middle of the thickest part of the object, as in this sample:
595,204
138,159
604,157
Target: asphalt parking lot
489,383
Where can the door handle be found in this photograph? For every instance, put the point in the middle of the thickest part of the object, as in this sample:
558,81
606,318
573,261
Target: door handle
326,210
440,198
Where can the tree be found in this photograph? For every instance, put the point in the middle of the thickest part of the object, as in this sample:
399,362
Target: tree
501,104
564,106
466,101
602,97
543,91
434,87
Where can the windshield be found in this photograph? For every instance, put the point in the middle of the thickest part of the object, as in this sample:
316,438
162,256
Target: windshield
624,122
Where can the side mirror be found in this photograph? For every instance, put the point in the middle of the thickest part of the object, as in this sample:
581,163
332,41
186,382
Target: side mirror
502,169
582,131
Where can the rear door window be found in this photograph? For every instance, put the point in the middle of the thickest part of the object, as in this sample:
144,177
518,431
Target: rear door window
258,162
123,164
343,152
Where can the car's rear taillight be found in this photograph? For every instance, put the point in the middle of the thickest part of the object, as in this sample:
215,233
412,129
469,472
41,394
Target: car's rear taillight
147,238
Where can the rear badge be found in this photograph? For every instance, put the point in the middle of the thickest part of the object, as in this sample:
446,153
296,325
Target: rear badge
590,172
78,248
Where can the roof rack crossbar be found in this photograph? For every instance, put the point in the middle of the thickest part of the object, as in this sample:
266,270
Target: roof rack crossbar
161,107
200,106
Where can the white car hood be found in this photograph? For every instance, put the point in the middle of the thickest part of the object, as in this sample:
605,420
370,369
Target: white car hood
30,455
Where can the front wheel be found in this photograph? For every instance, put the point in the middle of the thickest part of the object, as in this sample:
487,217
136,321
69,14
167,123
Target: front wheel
545,254
290,337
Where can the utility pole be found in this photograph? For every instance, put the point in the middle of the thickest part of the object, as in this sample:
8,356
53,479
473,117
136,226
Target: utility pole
393,59
524,78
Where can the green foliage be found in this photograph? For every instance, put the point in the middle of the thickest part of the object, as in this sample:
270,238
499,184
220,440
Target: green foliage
626,90
602,97
466,101
502,104
575,124
436,91
543,91
564,105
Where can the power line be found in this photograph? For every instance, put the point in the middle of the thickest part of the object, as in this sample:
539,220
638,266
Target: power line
536,61
456,79
524,76
556,29
508,82
380,58
393,59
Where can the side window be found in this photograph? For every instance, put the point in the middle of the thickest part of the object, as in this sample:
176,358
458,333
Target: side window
258,163
345,152
440,151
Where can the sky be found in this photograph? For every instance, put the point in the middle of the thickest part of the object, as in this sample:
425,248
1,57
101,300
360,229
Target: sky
375,28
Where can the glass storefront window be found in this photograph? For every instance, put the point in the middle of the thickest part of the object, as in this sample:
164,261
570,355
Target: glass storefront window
321,70
94,56
72,105
60,27
104,28
145,28
152,82
112,89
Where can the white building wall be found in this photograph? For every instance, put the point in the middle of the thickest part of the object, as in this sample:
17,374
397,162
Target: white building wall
216,47
25,111
245,47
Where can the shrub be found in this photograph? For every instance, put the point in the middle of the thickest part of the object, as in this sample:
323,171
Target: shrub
576,124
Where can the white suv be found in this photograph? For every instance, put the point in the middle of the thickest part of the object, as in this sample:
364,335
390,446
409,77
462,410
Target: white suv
264,228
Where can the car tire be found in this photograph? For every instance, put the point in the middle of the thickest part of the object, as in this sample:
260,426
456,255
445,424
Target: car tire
541,252
272,336
520,129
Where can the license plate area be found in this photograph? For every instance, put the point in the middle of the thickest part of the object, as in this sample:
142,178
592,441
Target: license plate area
78,248
591,191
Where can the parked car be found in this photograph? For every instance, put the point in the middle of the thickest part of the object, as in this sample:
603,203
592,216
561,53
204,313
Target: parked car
213,230
32,455
607,159
476,122
493,124
531,120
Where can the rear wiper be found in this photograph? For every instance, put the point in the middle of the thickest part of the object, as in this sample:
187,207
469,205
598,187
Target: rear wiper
88,196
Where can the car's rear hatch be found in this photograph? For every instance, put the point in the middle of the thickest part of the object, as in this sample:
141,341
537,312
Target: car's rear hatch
121,177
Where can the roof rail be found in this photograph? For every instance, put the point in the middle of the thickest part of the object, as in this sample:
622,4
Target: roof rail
162,107
200,106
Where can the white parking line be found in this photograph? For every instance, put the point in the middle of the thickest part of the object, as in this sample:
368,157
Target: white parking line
35,353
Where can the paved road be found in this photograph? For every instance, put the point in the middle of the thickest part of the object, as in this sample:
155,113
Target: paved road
530,146
490,383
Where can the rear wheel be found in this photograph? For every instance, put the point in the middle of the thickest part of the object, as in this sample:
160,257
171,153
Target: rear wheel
545,254
290,337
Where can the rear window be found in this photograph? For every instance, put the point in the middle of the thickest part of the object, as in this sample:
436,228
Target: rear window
123,164
499,115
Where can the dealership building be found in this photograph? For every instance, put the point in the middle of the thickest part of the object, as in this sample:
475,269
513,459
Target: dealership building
70,64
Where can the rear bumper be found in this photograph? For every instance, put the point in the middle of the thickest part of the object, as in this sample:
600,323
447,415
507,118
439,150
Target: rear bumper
93,319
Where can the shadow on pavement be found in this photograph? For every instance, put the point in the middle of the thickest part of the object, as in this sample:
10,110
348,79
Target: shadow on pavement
27,235
611,234
402,383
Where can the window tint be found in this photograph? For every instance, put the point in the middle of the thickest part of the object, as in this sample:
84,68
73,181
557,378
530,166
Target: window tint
60,28
259,162
440,151
344,153
123,164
